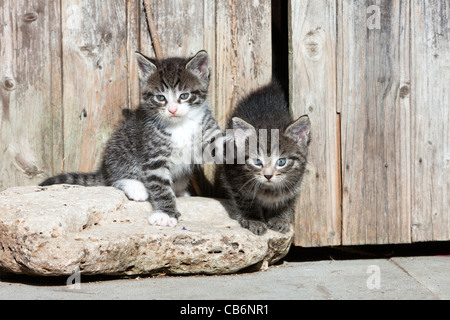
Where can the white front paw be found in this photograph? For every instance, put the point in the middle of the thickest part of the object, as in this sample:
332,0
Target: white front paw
159,218
135,190
139,194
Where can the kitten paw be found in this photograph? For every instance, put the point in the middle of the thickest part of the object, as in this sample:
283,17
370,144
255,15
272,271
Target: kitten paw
257,227
279,225
134,190
161,219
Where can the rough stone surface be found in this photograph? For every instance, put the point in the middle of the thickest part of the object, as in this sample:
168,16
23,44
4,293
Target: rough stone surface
55,231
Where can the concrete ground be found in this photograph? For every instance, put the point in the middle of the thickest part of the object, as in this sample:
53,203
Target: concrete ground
392,278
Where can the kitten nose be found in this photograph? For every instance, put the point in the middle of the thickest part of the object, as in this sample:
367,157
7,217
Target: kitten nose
172,109
268,176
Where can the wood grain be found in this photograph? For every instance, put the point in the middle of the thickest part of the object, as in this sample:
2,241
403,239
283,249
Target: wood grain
153,31
30,90
95,69
312,67
430,98
133,45
373,77
179,25
244,51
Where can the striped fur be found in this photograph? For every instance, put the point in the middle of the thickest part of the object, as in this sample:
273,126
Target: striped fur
146,150
82,179
263,191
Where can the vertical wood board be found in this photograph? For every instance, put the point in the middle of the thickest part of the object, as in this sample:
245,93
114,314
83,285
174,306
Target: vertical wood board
431,124
30,91
312,67
373,77
243,52
95,68
133,45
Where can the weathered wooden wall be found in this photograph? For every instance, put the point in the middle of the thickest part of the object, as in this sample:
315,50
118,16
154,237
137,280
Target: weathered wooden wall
67,69
379,169
383,169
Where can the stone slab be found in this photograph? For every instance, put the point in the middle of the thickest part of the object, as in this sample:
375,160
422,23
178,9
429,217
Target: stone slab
57,230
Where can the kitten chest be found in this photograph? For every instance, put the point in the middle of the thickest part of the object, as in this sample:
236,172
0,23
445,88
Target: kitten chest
182,139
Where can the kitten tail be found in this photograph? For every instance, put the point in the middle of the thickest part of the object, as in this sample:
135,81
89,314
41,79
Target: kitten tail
81,179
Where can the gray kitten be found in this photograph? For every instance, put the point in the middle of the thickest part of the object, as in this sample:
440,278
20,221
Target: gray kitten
265,186
149,156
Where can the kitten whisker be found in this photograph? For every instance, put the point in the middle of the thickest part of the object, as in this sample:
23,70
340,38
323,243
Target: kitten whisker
251,180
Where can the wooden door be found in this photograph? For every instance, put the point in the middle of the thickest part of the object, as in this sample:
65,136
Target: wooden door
387,89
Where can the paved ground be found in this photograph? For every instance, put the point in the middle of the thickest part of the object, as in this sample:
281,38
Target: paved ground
393,278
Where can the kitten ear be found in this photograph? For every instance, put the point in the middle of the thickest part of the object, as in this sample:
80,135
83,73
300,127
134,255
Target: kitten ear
242,131
299,131
199,65
145,66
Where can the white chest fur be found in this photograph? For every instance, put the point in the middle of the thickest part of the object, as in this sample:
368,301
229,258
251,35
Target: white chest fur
183,141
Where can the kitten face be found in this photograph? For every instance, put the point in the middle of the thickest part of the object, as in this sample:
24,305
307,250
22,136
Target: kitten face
278,167
172,103
268,169
274,170
174,88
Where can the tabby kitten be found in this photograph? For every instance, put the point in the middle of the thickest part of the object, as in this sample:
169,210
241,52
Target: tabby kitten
149,157
265,185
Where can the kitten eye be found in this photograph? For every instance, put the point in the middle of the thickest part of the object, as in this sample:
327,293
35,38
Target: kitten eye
160,98
258,163
281,162
184,96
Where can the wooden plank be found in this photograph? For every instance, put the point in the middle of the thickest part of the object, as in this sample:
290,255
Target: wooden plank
30,91
431,108
209,44
244,51
312,61
373,82
180,27
133,45
95,69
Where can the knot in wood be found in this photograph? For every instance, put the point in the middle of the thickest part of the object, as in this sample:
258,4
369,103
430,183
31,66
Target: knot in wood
30,17
404,91
8,84
313,44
